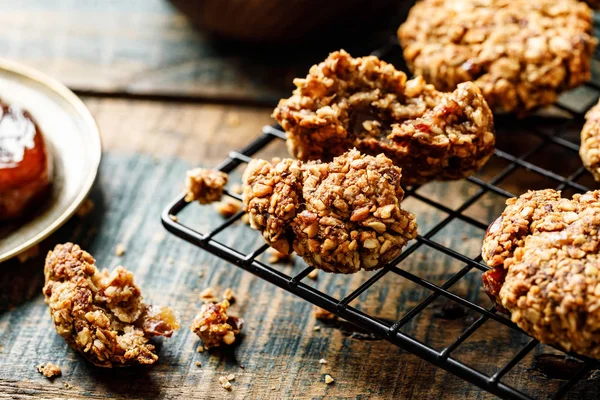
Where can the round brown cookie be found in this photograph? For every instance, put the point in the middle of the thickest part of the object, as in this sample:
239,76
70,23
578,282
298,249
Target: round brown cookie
546,269
521,53
341,216
590,142
366,103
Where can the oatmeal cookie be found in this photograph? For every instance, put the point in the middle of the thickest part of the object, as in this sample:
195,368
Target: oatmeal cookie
205,185
366,103
546,268
101,314
520,53
341,216
214,326
590,142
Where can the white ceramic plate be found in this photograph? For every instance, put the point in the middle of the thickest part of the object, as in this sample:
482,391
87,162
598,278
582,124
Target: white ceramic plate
71,135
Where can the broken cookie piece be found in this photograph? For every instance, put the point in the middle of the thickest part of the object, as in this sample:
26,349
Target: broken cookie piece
544,254
590,142
341,216
49,370
101,314
204,185
366,103
214,326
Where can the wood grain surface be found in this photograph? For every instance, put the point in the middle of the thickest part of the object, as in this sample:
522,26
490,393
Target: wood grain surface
122,52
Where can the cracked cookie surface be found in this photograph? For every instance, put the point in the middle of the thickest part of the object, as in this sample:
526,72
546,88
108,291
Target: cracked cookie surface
341,216
366,103
101,314
520,53
546,269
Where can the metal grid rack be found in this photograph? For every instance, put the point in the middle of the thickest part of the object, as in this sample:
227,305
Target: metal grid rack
388,330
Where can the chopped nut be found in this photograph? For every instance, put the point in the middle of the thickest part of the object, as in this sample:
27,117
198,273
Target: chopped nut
229,295
224,383
323,314
200,349
205,185
214,326
328,379
278,257
208,295
322,361
429,134
85,208
49,370
173,217
317,328
101,314
120,249
273,388
198,364
520,53
231,377
228,207
67,385
313,274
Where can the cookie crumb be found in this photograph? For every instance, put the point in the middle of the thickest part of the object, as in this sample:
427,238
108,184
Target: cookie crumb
49,370
322,361
224,383
231,377
67,385
228,207
323,314
276,256
229,295
273,388
313,274
214,326
85,208
208,295
233,119
200,349
198,364
317,328
329,379
120,249
173,218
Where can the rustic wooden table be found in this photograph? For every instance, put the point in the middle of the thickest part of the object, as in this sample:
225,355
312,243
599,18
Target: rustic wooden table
167,99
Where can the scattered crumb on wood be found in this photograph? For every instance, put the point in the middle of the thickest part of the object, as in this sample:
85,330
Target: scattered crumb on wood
208,294
317,328
329,379
228,207
49,370
313,274
233,119
278,257
173,217
229,295
224,383
231,377
324,314
28,254
236,188
464,237
200,349
322,361
198,364
68,385
85,208
273,388
120,249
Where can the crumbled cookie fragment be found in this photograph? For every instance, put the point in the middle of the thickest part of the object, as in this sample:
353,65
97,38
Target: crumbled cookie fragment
323,314
120,249
366,103
590,142
341,216
228,207
313,274
546,268
214,326
520,53
329,379
101,314
231,377
200,349
278,257
49,370
224,383
208,294
198,364
85,208
317,328
204,185
67,385
229,295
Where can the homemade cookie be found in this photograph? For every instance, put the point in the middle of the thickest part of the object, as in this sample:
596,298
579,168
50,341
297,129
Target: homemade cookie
341,216
366,103
521,53
546,269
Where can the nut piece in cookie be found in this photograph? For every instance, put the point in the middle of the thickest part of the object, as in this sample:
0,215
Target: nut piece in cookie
341,216
101,314
366,103
204,185
543,251
214,326
590,142
520,53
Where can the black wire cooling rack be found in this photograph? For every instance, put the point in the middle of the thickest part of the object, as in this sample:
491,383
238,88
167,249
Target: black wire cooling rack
573,111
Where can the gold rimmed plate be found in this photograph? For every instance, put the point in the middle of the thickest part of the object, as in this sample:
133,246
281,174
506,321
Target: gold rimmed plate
73,139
